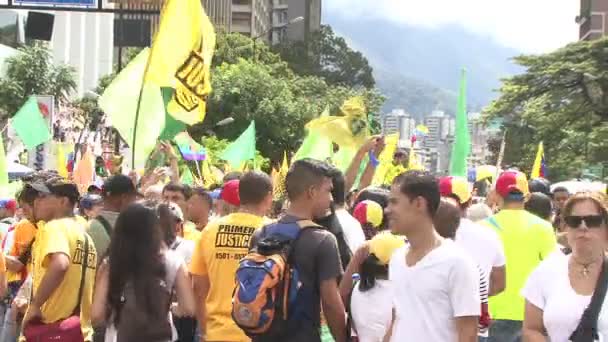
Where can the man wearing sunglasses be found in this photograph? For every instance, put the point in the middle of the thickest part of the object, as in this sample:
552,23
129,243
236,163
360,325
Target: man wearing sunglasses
527,240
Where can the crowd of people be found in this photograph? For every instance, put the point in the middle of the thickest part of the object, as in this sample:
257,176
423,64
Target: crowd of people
419,259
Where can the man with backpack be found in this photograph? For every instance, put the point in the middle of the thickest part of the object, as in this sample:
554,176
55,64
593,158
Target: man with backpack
118,192
216,257
305,263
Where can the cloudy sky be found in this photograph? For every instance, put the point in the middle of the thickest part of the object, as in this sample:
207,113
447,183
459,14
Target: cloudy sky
531,26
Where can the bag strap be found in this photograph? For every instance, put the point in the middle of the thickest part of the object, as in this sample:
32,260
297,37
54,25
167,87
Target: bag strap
85,265
175,244
492,220
591,314
350,323
106,225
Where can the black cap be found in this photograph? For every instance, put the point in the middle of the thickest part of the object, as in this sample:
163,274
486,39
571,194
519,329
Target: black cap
118,185
62,188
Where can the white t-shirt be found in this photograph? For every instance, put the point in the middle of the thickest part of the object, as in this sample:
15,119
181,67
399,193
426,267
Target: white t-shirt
353,233
372,311
548,288
183,248
482,244
440,287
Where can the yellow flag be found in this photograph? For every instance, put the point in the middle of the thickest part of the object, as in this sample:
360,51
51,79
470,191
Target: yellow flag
209,178
414,163
278,178
181,57
285,164
386,159
538,169
62,164
349,130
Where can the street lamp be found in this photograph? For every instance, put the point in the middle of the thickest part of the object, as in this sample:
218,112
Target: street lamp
221,123
255,39
226,121
92,94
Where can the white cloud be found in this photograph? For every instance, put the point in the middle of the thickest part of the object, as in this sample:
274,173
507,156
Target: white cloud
527,25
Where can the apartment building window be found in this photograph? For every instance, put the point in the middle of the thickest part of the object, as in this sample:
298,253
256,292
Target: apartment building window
241,19
241,2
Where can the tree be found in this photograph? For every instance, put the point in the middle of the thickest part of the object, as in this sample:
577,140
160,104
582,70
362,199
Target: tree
32,72
280,106
328,56
230,47
263,88
561,99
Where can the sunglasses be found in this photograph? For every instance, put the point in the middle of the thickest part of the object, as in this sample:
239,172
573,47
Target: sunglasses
591,221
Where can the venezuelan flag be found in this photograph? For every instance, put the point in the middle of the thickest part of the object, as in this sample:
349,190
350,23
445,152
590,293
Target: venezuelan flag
540,168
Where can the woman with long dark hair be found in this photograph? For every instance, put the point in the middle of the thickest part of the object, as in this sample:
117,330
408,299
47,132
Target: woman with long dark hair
136,281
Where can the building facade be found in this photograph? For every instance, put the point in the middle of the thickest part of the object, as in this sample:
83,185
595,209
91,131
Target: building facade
310,10
398,121
593,19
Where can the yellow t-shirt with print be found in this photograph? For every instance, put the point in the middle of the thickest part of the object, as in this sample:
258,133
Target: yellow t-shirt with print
223,243
65,236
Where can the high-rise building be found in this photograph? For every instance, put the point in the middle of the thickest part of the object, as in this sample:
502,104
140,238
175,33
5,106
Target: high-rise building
398,121
280,19
310,10
593,19
220,13
479,134
252,18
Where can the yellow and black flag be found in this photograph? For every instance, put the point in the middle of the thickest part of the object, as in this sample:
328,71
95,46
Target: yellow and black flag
181,56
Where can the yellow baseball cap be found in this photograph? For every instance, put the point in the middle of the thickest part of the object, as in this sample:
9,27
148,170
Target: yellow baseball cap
456,186
384,244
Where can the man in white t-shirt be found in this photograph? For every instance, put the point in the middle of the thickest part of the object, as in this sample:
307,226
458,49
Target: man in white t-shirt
353,232
438,298
482,244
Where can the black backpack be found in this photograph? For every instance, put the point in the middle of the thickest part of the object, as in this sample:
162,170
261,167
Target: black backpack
332,224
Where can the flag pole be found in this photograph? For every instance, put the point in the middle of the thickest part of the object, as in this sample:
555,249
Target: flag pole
198,169
141,91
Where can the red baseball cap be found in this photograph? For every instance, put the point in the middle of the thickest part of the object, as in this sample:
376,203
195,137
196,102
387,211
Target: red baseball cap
510,182
9,204
230,193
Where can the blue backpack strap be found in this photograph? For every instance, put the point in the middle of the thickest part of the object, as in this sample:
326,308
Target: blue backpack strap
288,228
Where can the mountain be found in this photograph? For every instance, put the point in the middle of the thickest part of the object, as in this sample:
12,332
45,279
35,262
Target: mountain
418,69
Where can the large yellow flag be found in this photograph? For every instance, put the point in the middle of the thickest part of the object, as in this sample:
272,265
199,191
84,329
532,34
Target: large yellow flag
349,130
181,57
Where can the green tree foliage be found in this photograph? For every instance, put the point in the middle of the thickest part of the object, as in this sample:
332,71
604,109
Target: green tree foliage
268,91
32,72
328,56
562,100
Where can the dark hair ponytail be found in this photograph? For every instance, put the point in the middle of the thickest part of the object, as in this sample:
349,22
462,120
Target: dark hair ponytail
370,271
